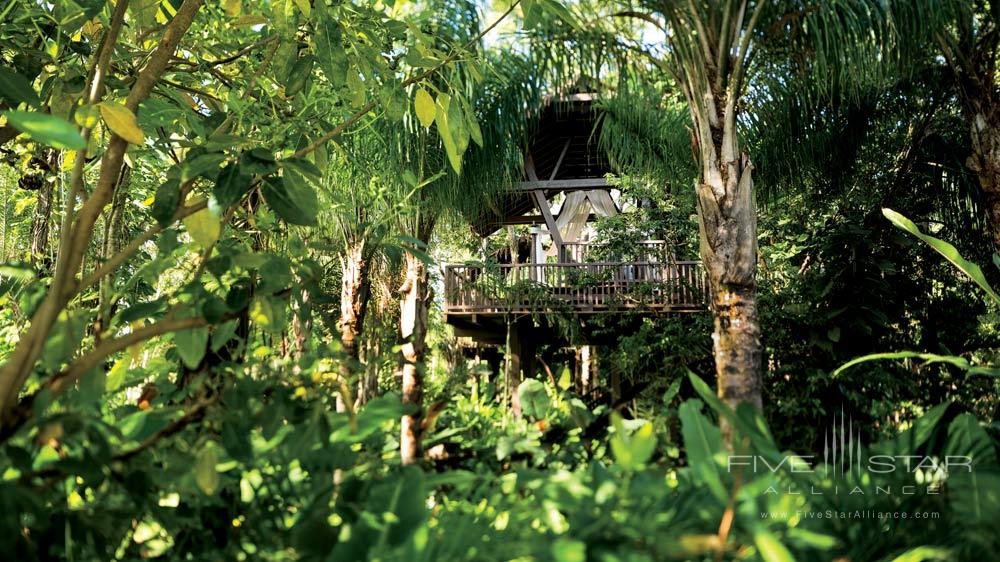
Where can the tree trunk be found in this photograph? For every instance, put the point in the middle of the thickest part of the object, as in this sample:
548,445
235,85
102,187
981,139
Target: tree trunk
355,290
113,241
368,385
727,224
728,227
415,297
983,115
512,371
43,210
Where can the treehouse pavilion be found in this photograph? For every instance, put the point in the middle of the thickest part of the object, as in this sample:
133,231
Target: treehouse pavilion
561,267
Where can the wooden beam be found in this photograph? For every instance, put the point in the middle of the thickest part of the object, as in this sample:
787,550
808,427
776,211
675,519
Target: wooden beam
559,162
562,185
529,167
550,222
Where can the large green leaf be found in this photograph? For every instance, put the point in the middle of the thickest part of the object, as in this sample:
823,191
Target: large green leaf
16,89
230,186
770,548
191,345
446,131
534,400
634,449
928,358
330,49
47,129
702,442
292,199
168,197
946,250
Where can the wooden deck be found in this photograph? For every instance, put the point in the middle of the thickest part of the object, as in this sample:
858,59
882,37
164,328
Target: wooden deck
679,286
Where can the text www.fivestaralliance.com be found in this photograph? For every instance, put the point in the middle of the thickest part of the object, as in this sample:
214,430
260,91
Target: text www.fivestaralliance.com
856,514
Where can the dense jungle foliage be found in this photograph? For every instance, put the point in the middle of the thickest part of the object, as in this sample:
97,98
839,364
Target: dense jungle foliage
223,230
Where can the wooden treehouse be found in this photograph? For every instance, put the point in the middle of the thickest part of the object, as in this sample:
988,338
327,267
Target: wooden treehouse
562,269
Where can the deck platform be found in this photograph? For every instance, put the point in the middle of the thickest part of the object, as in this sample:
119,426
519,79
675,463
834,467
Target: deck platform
574,288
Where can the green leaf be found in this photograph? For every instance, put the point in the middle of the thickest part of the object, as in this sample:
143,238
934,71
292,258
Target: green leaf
144,423
966,437
568,550
534,400
299,75
16,89
770,548
292,199
64,339
423,104
205,474
257,161
928,358
330,50
456,122
191,345
168,197
702,441
231,186
946,250
442,117
141,310
269,313
204,226
925,553
471,124
116,376
203,165
394,101
632,450
46,129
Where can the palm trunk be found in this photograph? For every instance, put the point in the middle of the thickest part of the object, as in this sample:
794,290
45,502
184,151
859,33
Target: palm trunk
415,297
984,127
728,227
727,224
355,291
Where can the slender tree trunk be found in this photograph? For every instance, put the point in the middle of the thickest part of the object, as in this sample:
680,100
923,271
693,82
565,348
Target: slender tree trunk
78,233
512,372
415,297
43,210
113,241
303,322
368,385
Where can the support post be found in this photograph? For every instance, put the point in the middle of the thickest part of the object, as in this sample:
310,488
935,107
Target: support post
512,377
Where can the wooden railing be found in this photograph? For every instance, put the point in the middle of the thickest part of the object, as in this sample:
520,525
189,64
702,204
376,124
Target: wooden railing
574,287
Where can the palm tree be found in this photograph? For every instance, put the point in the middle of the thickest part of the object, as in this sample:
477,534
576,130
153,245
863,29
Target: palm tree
967,35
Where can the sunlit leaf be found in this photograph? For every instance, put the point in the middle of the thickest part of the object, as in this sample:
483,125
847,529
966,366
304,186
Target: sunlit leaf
423,103
205,474
46,129
122,122
204,226
192,344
